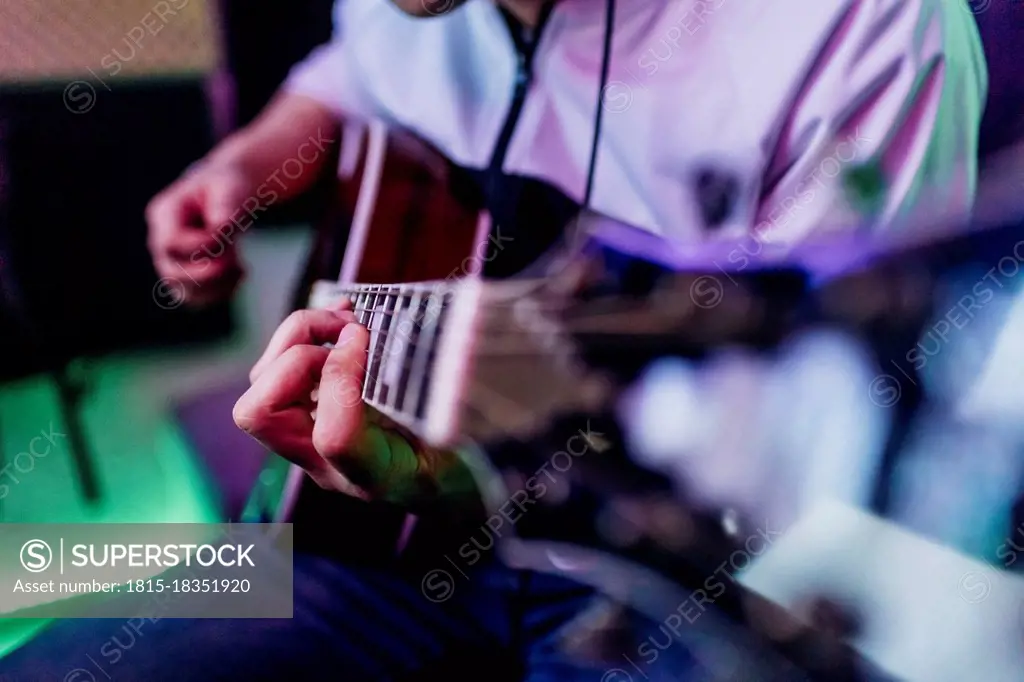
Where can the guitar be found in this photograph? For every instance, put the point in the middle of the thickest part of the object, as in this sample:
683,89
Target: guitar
449,355
410,221
448,350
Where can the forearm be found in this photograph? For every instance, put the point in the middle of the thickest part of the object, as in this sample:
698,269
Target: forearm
285,149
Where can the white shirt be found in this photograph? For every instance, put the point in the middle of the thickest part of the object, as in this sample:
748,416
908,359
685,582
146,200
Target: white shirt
784,95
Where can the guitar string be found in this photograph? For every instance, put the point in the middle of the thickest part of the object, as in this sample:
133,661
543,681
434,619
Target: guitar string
605,306
504,344
493,305
472,394
574,312
379,356
484,400
428,296
436,301
578,310
507,347
629,313
372,380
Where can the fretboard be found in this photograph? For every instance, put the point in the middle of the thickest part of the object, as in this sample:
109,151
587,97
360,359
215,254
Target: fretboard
405,322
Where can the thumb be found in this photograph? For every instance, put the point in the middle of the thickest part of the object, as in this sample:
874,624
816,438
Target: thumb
340,410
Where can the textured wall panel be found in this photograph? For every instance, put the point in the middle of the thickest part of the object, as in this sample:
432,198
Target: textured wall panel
107,39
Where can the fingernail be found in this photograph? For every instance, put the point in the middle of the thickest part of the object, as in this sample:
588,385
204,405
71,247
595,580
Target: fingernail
346,315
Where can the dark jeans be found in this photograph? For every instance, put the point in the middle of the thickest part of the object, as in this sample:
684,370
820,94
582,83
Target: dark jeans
351,622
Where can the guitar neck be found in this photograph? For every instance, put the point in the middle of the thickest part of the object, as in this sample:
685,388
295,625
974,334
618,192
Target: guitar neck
409,371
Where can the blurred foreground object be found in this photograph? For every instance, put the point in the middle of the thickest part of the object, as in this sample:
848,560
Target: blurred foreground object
851,451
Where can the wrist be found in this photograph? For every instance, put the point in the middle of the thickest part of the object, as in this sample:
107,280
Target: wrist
233,155
414,475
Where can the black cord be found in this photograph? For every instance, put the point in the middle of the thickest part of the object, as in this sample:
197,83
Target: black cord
609,30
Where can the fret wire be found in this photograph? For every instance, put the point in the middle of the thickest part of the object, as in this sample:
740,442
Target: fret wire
388,332
367,380
437,303
384,314
499,305
380,320
393,369
412,287
359,297
358,292
383,327
405,369
574,313
364,320
410,413
362,316
383,336
486,350
408,289
495,308
380,357
370,313
420,359
497,337
371,381
511,331
360,305
568,323
379,309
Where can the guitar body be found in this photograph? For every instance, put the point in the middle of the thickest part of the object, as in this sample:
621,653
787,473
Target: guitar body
419,226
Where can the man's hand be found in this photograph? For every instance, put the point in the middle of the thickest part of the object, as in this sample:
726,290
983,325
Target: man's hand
305,400
186,235
305,404
189,233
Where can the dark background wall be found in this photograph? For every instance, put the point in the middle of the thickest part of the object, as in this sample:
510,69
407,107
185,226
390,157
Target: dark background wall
79,280
263,39
75,275
1001,23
